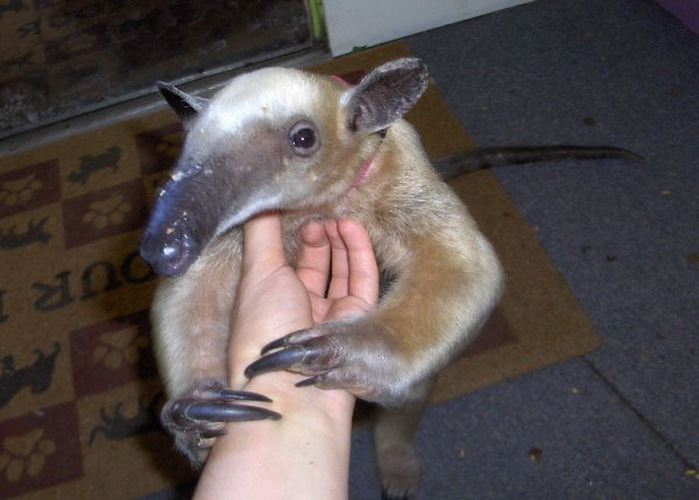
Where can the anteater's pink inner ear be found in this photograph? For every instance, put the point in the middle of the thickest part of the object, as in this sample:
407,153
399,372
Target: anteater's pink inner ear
385,94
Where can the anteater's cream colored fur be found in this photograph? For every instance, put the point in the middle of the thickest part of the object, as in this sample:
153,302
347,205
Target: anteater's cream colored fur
444,275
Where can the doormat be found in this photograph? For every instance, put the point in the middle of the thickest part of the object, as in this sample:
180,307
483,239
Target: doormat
79,389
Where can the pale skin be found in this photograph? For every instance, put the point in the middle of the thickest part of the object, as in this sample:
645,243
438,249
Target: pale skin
305,454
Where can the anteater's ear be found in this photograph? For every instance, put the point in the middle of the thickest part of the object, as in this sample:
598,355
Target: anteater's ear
185,106
385,94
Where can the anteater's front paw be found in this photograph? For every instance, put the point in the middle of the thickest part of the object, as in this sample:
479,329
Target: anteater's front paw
199,417
340,355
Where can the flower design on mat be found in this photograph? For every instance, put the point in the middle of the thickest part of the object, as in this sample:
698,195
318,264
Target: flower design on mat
25,455
19,190
117,348
107,212
169,145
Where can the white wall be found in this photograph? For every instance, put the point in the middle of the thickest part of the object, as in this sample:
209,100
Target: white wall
356,23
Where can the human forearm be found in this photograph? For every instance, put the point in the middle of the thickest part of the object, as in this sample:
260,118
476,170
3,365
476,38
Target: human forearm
303,455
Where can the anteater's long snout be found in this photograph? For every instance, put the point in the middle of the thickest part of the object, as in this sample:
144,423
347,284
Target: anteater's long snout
169,249
177,230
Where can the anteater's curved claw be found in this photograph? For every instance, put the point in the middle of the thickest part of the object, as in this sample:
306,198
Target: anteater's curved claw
189,412
199,417
230,395
284,359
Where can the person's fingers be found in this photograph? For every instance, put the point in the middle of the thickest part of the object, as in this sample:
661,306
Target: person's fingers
340,271
262,243
363,273
313,263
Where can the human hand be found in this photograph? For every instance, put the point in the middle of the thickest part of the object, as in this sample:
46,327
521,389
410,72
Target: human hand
270,299
260,459
336,276
345,247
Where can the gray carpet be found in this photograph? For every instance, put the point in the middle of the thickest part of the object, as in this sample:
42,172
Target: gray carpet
622,422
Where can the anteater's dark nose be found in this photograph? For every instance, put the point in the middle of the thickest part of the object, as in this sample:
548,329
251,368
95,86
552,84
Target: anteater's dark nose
169,251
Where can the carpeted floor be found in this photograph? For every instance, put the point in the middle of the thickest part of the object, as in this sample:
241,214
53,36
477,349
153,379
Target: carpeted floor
620,422
79,388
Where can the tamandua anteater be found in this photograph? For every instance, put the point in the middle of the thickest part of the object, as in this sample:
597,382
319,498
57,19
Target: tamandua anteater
313,148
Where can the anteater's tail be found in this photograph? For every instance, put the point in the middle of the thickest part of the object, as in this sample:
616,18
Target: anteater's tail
481,158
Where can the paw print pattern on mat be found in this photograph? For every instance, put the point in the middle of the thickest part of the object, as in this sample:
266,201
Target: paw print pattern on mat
121,347
111,353
103,213
111,211
169,145
29,187
18,191
158,148
40,449
23,457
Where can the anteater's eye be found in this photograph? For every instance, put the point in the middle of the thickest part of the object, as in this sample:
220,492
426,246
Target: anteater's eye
304,139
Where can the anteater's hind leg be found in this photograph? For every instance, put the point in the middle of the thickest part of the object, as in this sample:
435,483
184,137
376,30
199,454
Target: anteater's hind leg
394,430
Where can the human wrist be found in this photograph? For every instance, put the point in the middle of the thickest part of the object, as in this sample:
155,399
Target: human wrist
314,432
253,330
332,405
